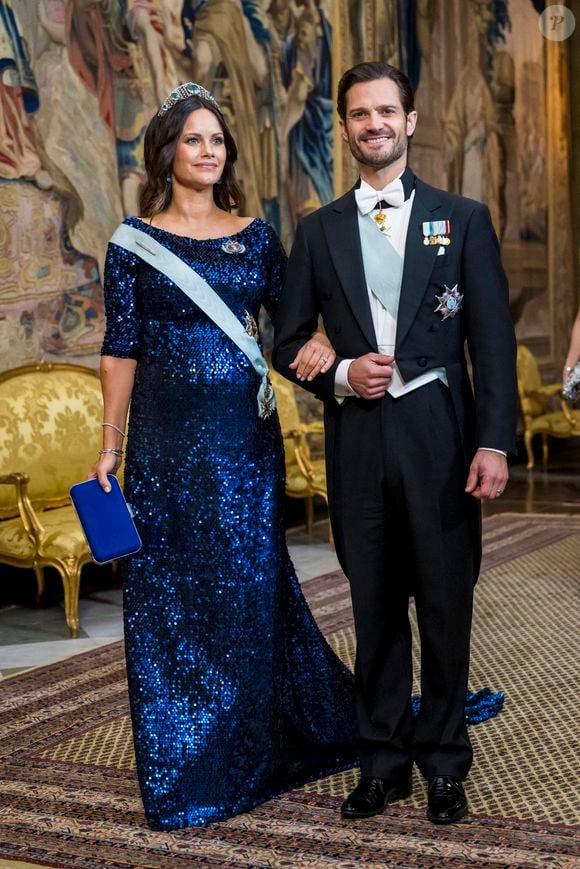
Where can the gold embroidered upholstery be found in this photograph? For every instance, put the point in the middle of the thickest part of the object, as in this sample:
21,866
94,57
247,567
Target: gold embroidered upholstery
63,538
535,403
305,475
14,541
50,433
51,424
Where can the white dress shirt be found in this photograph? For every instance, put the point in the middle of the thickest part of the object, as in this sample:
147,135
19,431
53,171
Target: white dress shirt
384,323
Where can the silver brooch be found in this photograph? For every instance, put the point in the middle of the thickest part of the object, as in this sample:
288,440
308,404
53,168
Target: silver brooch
449,302
232,246
267,401
251,326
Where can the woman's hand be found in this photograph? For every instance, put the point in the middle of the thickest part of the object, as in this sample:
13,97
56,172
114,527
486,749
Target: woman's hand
314,357
108,463
567,370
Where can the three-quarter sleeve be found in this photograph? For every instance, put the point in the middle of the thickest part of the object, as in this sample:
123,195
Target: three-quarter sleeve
276,261
122,335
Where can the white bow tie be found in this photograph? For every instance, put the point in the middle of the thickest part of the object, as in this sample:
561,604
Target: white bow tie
367,198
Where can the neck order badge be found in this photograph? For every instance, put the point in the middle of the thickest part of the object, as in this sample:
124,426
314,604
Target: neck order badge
380,218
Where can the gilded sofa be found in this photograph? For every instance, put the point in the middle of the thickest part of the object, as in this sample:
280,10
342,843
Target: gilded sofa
305,476
50,434
538,416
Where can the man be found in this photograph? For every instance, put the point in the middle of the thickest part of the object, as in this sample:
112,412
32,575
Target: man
402,275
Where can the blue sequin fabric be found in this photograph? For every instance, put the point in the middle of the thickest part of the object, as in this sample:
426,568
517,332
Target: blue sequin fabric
235,694
479,705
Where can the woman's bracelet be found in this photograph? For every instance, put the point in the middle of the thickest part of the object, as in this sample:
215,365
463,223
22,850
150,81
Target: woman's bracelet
111,425
105,450
568,368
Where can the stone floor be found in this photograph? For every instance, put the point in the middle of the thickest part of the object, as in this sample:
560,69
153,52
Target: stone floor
31,636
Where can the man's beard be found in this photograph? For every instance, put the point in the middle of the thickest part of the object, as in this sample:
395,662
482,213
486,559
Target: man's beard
382,160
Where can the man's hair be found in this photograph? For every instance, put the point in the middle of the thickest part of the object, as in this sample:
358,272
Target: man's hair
371,71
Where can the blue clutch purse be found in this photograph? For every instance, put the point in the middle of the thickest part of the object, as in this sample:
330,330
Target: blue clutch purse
106,520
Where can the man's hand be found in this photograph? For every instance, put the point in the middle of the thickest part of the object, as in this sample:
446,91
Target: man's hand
488,475
371,374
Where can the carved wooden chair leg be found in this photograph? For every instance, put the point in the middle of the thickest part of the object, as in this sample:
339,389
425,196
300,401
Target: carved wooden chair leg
70,571
39,573
309,506
324,497
330,534
529,449
545,449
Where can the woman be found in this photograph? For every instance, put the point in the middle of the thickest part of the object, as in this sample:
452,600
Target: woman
235,695
573,355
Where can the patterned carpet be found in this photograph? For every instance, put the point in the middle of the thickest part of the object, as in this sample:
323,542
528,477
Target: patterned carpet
69,796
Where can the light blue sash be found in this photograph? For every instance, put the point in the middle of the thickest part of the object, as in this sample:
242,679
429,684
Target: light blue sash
199,291
382,264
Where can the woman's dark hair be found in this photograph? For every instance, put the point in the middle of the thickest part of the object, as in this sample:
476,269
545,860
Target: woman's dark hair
161,138
371,71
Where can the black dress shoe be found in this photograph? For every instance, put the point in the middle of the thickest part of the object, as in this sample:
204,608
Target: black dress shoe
446,800
371,795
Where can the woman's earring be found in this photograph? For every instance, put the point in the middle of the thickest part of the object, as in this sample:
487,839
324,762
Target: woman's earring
168,179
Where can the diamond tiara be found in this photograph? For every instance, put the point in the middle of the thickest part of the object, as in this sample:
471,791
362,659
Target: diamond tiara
189,89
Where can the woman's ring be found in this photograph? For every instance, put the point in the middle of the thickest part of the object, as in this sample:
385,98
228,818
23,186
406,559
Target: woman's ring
324,359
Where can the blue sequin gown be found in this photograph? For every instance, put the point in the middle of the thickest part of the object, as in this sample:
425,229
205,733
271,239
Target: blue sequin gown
235,695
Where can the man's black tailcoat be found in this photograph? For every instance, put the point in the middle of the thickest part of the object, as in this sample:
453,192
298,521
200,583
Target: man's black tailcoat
397,467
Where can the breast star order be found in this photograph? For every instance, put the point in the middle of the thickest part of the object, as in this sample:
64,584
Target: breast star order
449,302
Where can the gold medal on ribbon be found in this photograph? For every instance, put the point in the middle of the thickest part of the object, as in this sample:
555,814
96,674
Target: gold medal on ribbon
436,232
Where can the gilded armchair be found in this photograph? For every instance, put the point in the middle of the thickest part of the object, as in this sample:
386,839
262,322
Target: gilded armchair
50,432
305,475
535,404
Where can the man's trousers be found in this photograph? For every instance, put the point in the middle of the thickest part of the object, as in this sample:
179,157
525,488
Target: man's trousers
404,526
